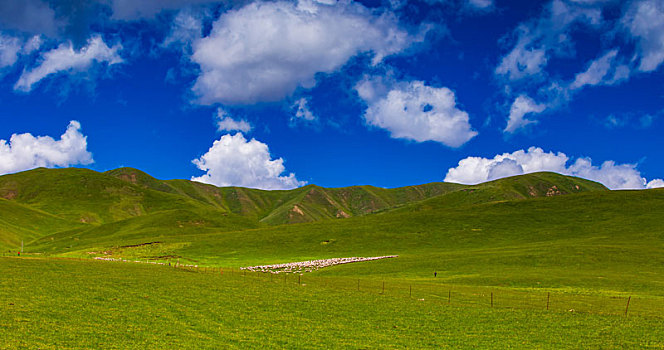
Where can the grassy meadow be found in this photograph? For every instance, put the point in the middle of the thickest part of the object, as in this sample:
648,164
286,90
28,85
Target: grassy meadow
55,304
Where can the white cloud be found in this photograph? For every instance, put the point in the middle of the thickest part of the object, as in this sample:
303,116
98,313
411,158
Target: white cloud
605,70
265,50
656,183
234,161
522,62
9,49
597,71
186,28
24,151
522,106
613,176
547,35
414,111
65,59
227,123
302,110
645,22
33,44
474,170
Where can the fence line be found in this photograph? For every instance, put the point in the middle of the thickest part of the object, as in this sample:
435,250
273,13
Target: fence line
463,296
624,304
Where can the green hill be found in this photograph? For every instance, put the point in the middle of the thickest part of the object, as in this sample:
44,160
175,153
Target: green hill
306,204
86,196
80,207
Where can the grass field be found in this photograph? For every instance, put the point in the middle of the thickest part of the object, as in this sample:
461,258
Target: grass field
54,304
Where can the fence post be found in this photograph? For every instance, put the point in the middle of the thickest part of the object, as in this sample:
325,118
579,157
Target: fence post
358,284
449,296
548,298
491,299
410,291
627,307
383,292
299,279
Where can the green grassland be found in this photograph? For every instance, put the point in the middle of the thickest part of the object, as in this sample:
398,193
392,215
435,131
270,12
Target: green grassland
55,304
519,239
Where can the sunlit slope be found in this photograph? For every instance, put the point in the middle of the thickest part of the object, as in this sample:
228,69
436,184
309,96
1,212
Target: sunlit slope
313,203
163,226
87,196
306,204
633,216
96,209
20,223
600,240
535,185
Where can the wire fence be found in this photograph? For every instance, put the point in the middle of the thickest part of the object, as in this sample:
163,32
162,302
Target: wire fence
616,304
619,304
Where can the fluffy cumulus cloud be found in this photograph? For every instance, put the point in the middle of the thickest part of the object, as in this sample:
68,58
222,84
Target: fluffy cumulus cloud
415,111
226,123
656,183
645,22
25,151
265,50
522,106
235,161
473,170
538,39
65,58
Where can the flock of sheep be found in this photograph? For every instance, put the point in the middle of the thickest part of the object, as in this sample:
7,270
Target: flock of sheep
310,265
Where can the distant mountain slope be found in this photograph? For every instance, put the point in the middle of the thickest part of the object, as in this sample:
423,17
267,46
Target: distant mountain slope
125,202
534,185
305,204
86,196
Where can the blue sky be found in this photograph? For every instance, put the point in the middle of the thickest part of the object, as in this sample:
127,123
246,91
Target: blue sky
279,94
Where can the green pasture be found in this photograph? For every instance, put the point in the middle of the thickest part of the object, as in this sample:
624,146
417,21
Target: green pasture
56,304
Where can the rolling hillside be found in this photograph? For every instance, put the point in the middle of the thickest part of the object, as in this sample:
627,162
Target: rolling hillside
19,222
306,204
66,208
